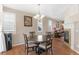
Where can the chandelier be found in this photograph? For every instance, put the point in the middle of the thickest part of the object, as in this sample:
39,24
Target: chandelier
39,16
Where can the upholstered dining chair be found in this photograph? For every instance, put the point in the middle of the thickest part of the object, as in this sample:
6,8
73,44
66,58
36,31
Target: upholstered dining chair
47,45
28,44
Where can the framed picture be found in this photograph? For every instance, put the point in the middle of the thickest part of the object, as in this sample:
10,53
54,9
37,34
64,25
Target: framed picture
27,21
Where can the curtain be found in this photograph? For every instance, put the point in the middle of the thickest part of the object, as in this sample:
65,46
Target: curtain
2,42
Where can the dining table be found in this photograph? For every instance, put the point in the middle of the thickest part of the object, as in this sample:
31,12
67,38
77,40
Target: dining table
38,39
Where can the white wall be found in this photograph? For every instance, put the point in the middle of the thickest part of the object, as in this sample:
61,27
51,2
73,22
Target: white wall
1,10
2,39
76,32
75,19
71,10
72,21
70,26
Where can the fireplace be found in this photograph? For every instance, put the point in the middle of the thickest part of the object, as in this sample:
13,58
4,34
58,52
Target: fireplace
67,36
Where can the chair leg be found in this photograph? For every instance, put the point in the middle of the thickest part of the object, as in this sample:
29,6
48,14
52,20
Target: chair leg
46,51
33,48
27,51
51,51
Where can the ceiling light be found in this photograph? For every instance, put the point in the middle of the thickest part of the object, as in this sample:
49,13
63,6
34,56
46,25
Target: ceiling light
39,16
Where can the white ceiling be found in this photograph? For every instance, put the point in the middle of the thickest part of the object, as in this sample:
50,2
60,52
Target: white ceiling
50,10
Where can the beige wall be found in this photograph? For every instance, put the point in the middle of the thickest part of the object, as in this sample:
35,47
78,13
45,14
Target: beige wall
20,29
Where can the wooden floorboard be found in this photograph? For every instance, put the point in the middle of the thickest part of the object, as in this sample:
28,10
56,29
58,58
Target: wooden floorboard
59,48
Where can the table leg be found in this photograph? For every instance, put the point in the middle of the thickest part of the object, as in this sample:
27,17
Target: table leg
37,49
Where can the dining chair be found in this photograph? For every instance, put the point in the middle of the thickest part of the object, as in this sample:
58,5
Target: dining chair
48,33
28,44
32,34
47,45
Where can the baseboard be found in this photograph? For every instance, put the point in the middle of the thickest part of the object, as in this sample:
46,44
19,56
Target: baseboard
17,44
71,48
75,51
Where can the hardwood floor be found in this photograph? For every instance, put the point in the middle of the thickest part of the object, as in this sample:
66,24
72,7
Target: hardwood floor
59,48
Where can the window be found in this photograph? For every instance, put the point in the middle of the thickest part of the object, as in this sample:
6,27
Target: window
9,22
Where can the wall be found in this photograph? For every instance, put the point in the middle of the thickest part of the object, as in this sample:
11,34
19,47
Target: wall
1,11
20,29
75,19
71,10
72,21
46,25
2,39
76,44
70,25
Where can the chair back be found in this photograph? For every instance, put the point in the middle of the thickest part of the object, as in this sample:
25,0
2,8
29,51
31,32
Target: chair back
48,41
32,34
25,38
48,33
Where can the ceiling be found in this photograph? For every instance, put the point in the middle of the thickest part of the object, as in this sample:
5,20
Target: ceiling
50,10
